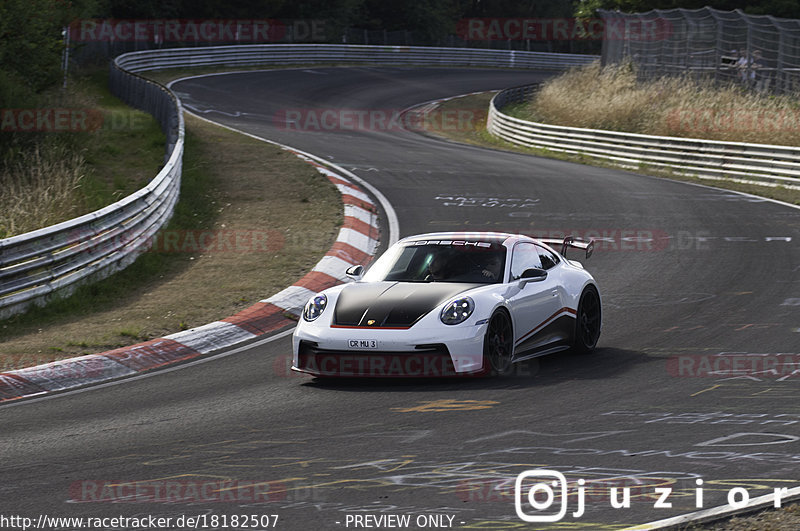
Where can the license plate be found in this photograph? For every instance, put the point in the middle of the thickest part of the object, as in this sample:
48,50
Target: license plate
362,344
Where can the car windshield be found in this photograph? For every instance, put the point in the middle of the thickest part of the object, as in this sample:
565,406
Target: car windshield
441,261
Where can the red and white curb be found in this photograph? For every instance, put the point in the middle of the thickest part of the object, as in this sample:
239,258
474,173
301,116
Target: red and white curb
356,244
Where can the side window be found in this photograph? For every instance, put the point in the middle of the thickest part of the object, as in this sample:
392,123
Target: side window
525,257
548,259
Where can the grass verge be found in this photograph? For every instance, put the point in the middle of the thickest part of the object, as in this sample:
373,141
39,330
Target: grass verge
242,231
106,151
612,98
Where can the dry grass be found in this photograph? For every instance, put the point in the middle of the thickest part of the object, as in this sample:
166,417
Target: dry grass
612,98
41,188
230,183
50,177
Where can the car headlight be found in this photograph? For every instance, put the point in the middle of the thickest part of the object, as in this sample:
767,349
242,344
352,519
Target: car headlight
457,311
315,307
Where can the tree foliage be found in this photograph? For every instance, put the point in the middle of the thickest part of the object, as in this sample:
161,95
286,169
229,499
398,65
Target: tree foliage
777,8
31,41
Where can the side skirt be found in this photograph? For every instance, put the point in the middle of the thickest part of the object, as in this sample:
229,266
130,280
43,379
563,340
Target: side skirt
545,352
553,337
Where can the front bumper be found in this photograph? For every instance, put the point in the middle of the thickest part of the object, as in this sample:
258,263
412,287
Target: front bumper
325,351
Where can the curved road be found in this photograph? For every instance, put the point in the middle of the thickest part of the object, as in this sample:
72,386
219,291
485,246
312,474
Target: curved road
694,279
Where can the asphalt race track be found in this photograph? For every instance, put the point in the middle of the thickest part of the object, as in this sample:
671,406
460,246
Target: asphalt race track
693,379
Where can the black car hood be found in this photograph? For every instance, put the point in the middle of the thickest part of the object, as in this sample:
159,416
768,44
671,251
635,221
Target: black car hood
392,304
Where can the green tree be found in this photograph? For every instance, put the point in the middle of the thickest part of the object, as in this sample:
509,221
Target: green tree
31,44
777,8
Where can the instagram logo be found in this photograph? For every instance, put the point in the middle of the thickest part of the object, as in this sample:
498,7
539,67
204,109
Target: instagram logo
535,491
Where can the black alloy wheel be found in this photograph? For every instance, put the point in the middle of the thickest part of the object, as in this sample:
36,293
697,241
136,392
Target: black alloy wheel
498,344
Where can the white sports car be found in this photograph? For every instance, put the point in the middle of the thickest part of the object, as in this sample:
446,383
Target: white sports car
447,304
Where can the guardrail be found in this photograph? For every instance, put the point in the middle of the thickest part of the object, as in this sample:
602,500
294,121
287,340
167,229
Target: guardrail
52,261
282,54
762,164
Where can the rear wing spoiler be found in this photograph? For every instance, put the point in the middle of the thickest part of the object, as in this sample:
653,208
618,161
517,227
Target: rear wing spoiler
570,241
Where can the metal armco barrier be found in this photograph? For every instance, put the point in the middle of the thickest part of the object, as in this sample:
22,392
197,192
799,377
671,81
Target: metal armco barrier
706,159
53,261
281,54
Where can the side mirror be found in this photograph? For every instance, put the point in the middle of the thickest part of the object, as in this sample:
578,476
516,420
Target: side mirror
534,274
355,272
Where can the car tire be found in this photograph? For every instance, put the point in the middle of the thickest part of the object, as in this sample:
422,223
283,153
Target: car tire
587,323
498,344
